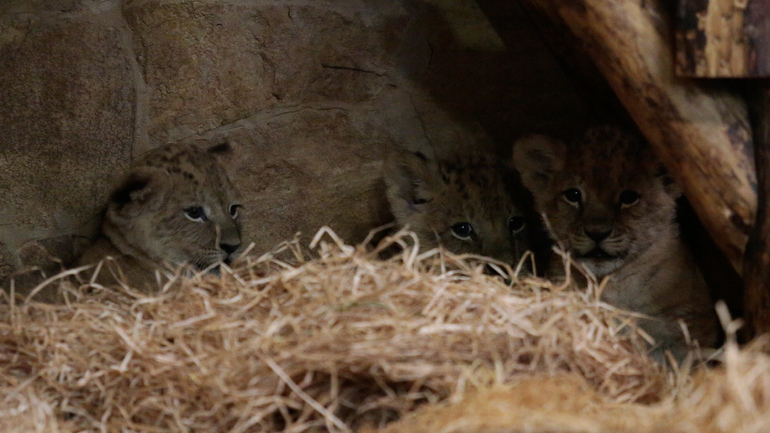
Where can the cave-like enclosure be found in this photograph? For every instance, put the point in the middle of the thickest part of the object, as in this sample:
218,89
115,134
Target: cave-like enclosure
315,94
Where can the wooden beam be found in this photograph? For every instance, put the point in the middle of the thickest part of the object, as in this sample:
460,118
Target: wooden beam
723,38
701,133
757,261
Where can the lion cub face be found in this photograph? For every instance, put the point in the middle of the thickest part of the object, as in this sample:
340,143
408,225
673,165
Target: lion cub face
176,204
606,197
466,206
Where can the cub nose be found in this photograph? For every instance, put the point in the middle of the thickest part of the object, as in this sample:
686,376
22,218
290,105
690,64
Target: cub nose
229,248
598,236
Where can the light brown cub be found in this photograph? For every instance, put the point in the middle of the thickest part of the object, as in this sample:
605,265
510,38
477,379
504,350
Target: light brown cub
175,206
610,204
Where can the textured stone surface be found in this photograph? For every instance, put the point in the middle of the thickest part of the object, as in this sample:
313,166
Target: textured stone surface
208,65
45,7
66,105
201,64
313,93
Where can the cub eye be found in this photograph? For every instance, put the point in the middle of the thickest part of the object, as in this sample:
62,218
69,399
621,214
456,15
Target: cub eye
629,198
195,213
462,231
234,210
516,224
572,196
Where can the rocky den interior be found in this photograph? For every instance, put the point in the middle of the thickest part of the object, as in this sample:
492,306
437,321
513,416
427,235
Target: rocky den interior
314,94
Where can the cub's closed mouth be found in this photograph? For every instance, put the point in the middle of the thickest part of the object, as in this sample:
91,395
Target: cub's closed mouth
597,253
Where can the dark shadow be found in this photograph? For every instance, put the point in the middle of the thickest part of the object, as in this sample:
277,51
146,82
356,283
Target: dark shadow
511,89
724,282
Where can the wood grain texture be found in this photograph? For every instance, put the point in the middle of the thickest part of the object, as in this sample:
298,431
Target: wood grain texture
700,133
723,38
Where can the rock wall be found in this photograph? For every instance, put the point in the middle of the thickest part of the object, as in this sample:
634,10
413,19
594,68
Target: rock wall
313,93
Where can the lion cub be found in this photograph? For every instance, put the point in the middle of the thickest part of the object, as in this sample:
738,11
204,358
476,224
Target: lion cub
475,206
175,206
609,203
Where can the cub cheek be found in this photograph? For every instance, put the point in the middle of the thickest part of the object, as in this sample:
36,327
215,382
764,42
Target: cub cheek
457,246
201,236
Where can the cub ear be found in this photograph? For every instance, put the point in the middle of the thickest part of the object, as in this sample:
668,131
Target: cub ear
139,189
229,154
410,180
221,149
537,158
671,187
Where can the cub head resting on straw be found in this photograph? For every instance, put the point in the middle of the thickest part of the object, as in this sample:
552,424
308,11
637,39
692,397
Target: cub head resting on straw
475,206
175,205
609,202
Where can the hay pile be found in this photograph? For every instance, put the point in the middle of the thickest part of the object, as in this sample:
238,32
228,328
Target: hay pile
734,398
333,339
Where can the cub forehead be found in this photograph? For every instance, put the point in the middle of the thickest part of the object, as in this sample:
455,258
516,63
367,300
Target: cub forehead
481,174
185,160
609,156
189,168
611,144
480,186
473,178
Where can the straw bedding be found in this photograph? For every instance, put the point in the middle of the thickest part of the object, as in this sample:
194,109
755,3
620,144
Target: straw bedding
331,338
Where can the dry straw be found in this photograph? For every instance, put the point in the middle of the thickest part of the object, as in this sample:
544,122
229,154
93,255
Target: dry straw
330,339
733,398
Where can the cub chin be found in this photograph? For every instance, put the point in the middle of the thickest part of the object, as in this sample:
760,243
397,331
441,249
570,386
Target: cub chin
474,206
175,206
608,202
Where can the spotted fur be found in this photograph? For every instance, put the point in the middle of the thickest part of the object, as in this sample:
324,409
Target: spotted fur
433,197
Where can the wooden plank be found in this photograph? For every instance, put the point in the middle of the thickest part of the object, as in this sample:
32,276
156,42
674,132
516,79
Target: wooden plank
701,133
723,38
757,260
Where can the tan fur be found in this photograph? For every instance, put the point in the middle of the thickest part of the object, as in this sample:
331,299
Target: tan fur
431,197
650,270
147,223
